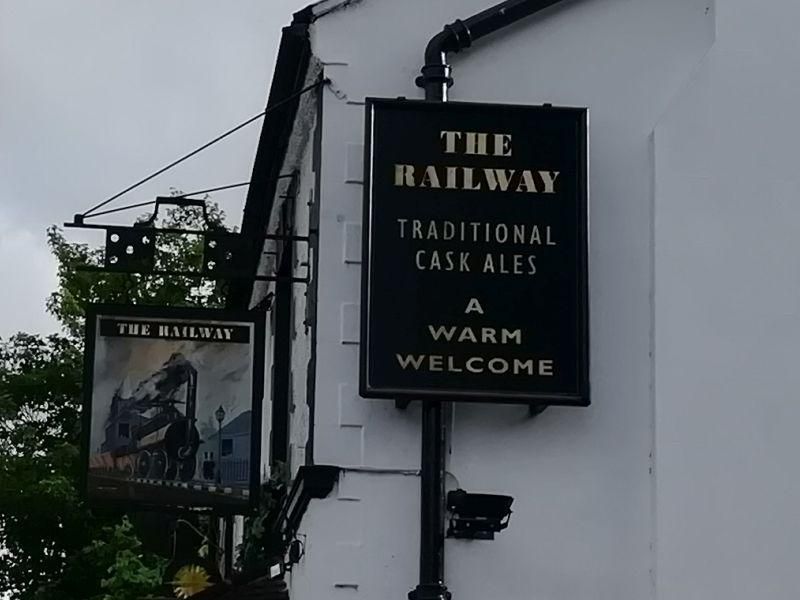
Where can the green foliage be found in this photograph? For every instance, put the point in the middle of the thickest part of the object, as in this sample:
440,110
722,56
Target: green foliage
41,517
261,539
174,252
131,574
52,547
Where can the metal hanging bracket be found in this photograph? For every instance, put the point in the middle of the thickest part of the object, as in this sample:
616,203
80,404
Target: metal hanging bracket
225,254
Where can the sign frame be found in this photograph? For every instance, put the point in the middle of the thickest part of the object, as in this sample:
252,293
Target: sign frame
367,389
192,314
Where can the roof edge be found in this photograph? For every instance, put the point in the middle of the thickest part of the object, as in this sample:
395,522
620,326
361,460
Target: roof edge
291,68
319,9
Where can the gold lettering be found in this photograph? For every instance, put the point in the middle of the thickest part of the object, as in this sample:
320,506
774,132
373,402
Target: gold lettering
467,335
432,233
472,361
442,331
476,144
430,179
451,178
498,370
468,185
420,254
450,138
474,306
520,365
549,179
526,183
404,175
410,359
488,264
451,367
500,178
502,144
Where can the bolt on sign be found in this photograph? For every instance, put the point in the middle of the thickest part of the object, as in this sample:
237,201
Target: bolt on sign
172,406
474,281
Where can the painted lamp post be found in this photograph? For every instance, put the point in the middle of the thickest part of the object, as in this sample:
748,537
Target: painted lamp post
220,415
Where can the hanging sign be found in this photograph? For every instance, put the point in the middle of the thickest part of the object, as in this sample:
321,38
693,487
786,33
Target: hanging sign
474,281
172,408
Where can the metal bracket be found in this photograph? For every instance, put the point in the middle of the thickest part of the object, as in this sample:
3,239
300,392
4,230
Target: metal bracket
534,410
225,255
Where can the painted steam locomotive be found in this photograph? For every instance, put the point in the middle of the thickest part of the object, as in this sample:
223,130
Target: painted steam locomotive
146,435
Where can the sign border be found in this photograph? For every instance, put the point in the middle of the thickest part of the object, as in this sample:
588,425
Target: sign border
258,319
582,395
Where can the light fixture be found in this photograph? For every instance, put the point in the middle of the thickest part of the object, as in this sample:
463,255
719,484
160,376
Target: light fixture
477,516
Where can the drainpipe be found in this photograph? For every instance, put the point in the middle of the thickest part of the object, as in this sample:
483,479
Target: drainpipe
436,73
436,79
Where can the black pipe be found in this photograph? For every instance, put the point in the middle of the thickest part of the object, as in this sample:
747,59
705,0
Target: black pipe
436,73
436,79
431,556
229,547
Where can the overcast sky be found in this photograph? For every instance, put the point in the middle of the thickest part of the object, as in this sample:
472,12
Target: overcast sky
96,94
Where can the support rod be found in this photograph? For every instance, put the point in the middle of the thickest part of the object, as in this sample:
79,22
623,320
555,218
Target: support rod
263,236
435,80
431,547
431,557
193,274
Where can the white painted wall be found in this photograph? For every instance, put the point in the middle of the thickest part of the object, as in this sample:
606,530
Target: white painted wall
584,525
727,265
298,159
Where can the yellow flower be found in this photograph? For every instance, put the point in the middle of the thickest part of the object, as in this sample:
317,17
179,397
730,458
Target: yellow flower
190,580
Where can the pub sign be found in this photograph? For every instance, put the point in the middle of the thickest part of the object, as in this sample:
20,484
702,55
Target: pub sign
474,280
172,408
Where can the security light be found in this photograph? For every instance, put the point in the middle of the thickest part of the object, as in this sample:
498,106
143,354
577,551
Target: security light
477,516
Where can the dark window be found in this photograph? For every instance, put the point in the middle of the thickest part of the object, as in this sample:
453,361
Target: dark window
227,447
123,430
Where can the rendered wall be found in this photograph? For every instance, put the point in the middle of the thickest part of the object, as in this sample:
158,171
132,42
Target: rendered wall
584,521
726,313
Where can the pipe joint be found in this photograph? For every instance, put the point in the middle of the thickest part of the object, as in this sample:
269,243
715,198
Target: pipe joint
459,36
431,591
435,74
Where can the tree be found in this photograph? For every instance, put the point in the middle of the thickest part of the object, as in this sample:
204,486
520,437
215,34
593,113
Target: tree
77,288
52,547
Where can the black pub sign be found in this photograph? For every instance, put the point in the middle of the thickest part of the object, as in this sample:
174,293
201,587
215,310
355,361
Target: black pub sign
474,281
